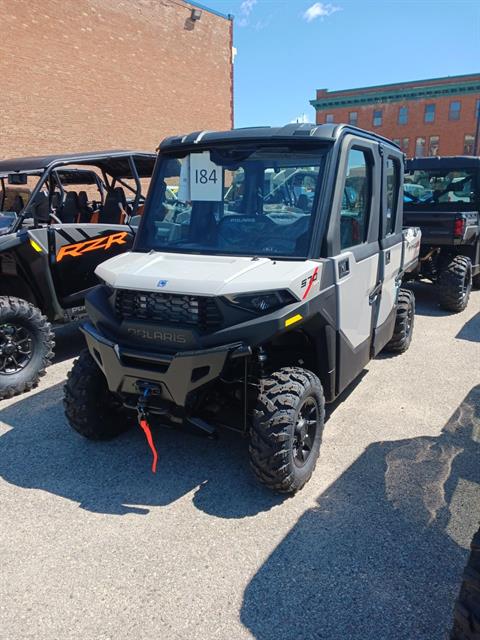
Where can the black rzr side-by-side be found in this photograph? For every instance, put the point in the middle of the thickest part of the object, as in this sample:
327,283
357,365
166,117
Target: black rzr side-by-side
60,216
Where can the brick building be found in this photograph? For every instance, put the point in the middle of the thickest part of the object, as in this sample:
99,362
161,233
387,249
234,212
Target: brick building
426,117
98,74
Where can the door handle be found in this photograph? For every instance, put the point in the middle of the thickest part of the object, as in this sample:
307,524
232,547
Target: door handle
375,293
388,256
343,268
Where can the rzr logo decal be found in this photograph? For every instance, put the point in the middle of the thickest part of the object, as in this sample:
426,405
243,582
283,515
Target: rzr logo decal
103,242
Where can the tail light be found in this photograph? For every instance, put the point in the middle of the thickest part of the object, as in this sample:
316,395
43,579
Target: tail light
459,227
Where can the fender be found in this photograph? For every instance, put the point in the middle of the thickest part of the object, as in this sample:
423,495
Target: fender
77,249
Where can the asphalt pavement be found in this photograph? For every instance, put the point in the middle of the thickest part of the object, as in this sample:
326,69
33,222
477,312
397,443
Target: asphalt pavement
95,547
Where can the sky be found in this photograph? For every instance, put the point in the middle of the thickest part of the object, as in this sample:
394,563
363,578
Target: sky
286,49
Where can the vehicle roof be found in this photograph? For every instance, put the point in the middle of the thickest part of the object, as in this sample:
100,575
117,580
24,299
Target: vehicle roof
115,163
291,132
67,176
443,162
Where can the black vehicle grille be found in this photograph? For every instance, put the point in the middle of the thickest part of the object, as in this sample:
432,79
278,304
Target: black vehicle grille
169,308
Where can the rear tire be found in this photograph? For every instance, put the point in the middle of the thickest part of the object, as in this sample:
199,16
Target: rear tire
287,429
466,624
455,283
90,407
402,334
26,346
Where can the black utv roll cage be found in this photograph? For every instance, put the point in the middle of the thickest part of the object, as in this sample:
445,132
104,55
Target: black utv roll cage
114,166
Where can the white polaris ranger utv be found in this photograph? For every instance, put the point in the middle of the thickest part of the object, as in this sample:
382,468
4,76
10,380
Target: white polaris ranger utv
248,302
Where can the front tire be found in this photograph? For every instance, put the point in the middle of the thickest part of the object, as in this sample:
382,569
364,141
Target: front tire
26,346
90,407
287,429
402,334
455,283
466,624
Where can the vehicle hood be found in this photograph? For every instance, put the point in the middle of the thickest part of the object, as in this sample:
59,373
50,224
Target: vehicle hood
205,275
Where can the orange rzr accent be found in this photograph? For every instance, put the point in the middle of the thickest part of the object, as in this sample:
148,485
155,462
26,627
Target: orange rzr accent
103,242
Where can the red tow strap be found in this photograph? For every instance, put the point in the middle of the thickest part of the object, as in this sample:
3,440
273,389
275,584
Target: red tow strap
148,434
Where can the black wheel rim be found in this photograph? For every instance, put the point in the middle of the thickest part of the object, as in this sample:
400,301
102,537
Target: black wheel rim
305,431
16,348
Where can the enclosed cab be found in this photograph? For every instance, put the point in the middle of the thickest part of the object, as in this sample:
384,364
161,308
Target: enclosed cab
442,197
255,295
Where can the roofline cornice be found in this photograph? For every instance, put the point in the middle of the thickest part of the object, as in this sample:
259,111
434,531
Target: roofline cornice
403,95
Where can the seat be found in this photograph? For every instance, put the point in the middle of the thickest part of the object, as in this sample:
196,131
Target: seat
70,210
113,207
18,204
40,208
303,202
56,202
84,209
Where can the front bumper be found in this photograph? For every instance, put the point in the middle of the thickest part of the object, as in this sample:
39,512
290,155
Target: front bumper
176,375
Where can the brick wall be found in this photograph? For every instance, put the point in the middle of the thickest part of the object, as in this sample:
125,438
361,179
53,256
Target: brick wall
81,75
451,133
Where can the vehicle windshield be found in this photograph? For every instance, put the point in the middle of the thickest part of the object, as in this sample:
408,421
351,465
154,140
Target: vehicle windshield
446,189
237,201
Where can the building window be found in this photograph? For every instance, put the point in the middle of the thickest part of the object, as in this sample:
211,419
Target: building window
477,112
420,147
355,211
405,145
429,115
397,141
468,143
329,118
403,115
454,110
433,146
353,118
377,118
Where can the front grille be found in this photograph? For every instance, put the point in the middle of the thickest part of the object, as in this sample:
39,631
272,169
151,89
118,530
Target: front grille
169,308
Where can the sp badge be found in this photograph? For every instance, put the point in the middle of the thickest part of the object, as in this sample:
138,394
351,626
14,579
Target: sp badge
162,283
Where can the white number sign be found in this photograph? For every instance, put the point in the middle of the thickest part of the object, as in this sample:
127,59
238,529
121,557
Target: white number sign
206,178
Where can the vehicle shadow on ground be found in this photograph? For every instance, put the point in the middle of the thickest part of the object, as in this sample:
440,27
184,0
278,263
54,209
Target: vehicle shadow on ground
69,341
426,300
382,554
41,451
470,330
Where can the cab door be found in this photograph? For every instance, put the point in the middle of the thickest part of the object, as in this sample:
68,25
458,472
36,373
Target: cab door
354,228
75,250
391,247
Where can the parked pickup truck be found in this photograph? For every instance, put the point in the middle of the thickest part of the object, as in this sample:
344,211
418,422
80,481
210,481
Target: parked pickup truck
442,197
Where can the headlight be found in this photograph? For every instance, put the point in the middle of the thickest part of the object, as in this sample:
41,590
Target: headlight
263,301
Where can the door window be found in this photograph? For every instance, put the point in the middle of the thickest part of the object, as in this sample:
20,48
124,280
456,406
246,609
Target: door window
354,214
392,186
